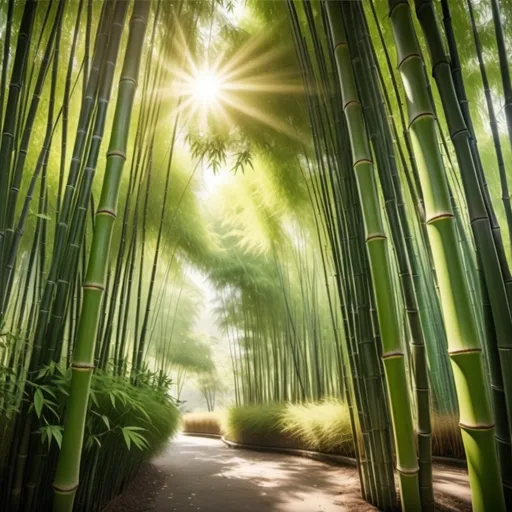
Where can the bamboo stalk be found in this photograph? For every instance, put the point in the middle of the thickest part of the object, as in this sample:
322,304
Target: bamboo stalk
476,419
499,342
66,478
376,239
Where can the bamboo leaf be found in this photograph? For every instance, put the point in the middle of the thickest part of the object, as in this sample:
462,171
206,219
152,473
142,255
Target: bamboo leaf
106,421
38,402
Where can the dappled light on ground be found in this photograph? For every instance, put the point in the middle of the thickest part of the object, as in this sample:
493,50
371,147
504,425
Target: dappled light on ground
204,474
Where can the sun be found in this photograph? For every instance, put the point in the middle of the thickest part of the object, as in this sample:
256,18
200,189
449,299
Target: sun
216,91
206,87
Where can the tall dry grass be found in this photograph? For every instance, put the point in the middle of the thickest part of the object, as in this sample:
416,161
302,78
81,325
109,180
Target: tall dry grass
323,427
201,423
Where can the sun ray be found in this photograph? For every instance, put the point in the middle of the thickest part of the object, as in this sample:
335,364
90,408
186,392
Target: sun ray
263,117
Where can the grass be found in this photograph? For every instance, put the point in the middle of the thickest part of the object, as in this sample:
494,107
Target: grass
201,423
446,439
323,427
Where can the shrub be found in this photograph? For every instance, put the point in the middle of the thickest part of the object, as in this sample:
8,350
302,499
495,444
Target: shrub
254,424
201,423
140,422
126,426
323,427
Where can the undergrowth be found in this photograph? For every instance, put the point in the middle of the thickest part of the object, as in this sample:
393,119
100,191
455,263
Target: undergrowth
126,425
323,427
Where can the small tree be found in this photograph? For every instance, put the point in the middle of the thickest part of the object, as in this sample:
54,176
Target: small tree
209,385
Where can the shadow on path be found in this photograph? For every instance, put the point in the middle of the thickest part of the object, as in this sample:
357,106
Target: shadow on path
204,474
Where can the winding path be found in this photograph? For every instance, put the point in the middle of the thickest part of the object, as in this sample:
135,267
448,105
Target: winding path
204,474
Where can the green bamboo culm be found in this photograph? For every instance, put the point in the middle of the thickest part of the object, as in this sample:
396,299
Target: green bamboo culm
380,264
68,467
499,337
476,417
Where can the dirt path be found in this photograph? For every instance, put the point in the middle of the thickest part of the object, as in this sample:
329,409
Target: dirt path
204,474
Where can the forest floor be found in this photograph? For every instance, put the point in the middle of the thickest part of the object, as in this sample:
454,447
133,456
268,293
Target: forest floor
204,474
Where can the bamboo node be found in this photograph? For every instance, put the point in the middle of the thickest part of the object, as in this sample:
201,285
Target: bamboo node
93,286
396,5
392,355
107,211
65,489
479,219
82,366
419,116
376,236
440,63
464,351
409,57
476,427
440,216
412,471
116,152
362,161
128,79
503,441
138,19
342,44
462,131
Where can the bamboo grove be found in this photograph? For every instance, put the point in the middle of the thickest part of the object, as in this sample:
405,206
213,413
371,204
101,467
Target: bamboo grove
344,201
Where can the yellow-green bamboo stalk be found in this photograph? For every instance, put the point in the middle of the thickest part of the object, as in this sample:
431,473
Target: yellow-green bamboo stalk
476,418
67,476
378,251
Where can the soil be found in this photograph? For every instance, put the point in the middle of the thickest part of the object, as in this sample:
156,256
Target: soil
142,493
203,474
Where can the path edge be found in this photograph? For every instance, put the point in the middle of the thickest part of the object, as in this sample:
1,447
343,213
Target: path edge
339,460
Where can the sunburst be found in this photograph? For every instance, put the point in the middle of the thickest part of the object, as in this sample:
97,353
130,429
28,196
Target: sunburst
217,90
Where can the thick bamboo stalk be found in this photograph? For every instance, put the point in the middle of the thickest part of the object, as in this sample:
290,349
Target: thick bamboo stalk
66,478
476,419
499,342
377,245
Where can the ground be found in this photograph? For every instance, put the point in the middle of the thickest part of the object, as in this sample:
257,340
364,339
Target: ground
204,474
